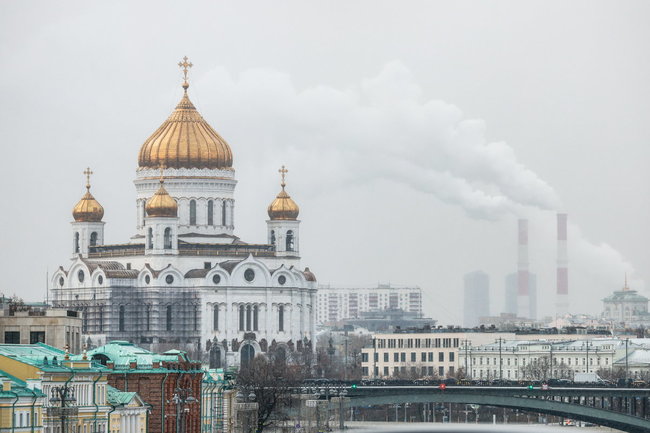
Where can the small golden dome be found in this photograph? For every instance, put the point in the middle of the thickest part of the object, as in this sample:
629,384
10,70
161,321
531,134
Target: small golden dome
283,207
161,204
88,209
185,140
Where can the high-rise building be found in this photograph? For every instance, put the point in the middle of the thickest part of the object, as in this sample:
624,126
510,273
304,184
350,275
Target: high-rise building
338,303
476,297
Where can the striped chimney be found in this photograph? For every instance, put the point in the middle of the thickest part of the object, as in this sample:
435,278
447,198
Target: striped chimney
562,304
523,277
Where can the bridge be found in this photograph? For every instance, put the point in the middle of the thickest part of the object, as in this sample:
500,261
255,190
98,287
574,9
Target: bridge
626,409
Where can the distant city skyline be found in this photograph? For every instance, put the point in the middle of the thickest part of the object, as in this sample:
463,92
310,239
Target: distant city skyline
414,141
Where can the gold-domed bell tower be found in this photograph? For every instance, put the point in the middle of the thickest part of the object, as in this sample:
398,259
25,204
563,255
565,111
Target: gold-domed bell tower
283,223
88,227
161,222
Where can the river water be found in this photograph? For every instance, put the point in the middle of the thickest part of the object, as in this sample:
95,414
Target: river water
381,427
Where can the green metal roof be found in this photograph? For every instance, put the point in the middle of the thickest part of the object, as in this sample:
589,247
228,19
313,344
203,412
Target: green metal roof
122,353
44,357
625,296
18,387
117,397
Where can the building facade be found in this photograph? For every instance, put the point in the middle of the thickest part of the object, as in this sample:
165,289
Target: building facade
476,298
129,413
47,369
185,280
626,306
540,359
56,327
159,380
337,303
20,405
420,353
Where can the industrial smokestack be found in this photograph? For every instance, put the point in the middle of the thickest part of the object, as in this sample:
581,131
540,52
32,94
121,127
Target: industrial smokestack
523,293
562,302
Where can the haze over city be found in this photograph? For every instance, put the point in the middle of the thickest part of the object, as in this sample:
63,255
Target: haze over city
414,137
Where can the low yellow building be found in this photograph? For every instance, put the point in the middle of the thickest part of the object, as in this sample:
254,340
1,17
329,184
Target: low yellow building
75,392
128,412
20,406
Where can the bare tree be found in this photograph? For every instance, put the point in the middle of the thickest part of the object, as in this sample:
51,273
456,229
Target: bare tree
537,369
271,381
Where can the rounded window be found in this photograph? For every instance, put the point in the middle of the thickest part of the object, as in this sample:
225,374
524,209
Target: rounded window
100,279
216,279
81,276
61,281
147,279
249,275
169,279
282,280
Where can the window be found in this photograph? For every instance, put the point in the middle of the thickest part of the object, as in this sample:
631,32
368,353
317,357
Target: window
441,371
249,275
385,371
248,318
255,318
451,357
168,238
121,319
93,239
215,318
423,356
365,371
395,357
76,242
223,213
169,279
364,357
216,279
430,356
36,337
242,319
403,356
451,370
282,280
385,356
376,357
169,317
273,237
150,238
290,240
100,280
413,356
81,276
210,213
441,356
192,212
281,318
12,337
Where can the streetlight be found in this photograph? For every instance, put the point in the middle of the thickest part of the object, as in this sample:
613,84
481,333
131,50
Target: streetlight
181,398
62,395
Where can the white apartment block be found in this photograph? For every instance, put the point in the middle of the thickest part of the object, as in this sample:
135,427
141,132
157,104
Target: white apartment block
338,303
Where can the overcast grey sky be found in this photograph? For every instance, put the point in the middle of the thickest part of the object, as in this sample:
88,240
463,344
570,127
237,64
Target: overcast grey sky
415,132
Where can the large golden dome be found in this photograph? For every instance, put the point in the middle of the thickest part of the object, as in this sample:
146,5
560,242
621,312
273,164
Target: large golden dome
161,204
185,140
283,207
88,209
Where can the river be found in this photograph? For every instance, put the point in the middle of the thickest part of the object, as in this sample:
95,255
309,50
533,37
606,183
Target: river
386,427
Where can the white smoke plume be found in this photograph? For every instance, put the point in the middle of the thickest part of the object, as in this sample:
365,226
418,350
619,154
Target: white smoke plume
384,129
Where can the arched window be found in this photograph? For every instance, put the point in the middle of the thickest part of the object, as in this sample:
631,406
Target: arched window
210,213
273,237
150,238
121,319
242,320
255,318
223,213
215,318
169,317
93,239
76,242
290,240
248,318
168,238
192,212
281,318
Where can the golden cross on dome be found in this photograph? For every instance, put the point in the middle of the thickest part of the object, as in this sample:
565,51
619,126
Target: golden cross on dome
283,171
88,172
185,65
162,172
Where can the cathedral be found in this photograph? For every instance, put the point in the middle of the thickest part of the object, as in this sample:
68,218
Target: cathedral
185,280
